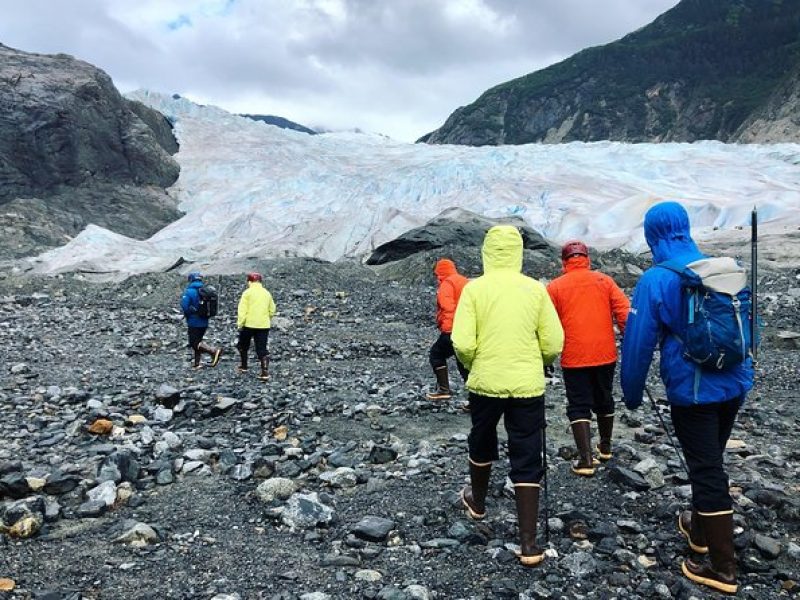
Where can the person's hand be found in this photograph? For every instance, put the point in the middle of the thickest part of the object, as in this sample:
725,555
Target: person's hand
549,371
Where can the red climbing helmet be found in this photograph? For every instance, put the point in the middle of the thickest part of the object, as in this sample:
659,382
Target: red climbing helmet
574,248
254,276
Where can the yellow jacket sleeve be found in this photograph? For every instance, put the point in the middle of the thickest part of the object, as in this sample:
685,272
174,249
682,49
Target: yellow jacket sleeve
465,329
272,308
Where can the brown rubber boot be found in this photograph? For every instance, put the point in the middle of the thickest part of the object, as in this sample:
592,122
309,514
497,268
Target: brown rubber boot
442,391
605,427
264,375
584,465
719,572
527,499
691,526
473,496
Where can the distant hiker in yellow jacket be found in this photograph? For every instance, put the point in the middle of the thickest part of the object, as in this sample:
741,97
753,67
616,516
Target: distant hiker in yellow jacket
505,331
256,309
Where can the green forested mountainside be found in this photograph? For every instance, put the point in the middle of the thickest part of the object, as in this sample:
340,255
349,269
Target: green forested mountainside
706,69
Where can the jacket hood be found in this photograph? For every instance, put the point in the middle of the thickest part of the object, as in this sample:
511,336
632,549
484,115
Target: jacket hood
667,231
254,283
576,262
197,283
444,268
502,249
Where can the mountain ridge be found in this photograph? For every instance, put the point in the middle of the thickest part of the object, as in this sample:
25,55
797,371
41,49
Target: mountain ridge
705,69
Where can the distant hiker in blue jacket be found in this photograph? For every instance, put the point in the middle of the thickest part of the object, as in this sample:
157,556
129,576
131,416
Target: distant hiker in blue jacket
196,323
703,403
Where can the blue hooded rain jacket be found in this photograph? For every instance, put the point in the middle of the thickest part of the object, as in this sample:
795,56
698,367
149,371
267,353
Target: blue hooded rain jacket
190,302
656,319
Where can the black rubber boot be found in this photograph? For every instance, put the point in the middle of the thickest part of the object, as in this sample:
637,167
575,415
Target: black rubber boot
580,431
473,496
719,572
605,427
527,499
242,361
442,385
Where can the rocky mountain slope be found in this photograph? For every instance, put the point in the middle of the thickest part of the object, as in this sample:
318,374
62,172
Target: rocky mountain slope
73,151
706,69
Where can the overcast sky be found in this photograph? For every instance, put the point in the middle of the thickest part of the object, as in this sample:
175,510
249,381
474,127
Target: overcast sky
397,67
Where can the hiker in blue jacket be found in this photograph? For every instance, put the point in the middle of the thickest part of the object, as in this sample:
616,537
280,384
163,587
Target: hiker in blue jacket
703,403
197,324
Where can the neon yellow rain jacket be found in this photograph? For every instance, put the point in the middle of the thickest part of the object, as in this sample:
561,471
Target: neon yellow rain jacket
256,307
505,326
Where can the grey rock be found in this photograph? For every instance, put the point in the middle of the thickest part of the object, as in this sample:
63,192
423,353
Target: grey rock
628,479
343,477
162,415
92,508
138,534
380,455
768,547
60,483
277,488
303,511
106,493
373,529
580,564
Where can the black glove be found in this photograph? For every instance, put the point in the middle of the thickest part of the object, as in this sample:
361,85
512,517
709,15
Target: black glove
549,371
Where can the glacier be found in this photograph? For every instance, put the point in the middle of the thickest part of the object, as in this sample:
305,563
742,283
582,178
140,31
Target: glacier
252,190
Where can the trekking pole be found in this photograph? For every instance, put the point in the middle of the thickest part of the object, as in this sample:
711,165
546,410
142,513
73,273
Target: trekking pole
666,430
754,282
546,503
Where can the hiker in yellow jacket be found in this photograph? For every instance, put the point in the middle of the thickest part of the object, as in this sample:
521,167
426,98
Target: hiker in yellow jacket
256,309
505,331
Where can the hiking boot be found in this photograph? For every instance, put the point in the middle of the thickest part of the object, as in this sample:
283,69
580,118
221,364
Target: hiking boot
691,526
584,465
526,496
217,355
442,391
605,426
473,496
264,375
719,571
198,356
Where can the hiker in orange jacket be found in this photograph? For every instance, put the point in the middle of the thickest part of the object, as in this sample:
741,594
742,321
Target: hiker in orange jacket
586,302
451,282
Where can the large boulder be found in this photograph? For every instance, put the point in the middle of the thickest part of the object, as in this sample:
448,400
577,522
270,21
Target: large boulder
453,227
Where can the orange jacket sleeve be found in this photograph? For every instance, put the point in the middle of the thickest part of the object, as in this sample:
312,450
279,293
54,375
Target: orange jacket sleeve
620,305
447,302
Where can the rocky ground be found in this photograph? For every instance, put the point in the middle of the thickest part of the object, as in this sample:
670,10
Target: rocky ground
125,474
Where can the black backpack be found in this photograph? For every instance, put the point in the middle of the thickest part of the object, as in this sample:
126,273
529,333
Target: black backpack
209,302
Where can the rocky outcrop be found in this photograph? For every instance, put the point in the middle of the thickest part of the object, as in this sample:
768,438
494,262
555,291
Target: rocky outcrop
454,227
779,119
74,151
281,122
706,69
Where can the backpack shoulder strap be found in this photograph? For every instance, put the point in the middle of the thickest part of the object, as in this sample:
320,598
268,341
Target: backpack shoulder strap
688,277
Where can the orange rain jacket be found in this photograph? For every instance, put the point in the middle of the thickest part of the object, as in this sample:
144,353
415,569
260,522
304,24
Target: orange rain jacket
586,301
451,282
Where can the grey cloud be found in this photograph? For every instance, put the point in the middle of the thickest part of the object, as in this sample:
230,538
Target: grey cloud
395,66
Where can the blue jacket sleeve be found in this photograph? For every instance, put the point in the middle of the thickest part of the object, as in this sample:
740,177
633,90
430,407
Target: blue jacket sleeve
639,342
188,302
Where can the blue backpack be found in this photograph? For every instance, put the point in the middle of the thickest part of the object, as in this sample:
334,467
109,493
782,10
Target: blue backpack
717,312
